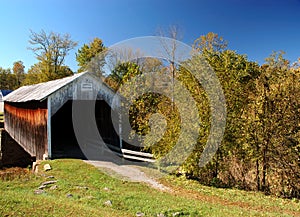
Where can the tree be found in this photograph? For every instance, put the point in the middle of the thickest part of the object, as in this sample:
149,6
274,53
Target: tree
150,65
122,74
7,80
210,42
170,49
51,50
39,73
19,72
274,127
87,56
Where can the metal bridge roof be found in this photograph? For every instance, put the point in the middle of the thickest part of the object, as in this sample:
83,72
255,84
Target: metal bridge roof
41,91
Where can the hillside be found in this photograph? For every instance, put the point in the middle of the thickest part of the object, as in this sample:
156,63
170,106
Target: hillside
83,190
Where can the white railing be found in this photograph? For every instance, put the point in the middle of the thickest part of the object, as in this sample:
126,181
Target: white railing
134,155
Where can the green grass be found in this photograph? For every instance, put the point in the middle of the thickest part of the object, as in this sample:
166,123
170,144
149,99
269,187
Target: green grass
188,198
234,197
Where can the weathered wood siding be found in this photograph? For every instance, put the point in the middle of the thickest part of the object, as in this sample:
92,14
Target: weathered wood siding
27,124
84,88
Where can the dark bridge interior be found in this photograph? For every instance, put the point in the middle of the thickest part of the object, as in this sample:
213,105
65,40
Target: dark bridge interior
63,139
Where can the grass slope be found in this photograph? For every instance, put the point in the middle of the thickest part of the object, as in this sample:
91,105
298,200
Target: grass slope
87,185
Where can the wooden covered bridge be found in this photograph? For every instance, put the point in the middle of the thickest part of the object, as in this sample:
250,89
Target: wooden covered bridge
39,117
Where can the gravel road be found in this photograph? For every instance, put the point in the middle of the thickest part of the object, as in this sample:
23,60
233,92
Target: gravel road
128,172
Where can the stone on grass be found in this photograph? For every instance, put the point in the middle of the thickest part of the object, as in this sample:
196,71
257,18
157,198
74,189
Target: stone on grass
54,187
49,182
82,187
39,191
160,215
139,214
106,189
47,167
108,203
50,177
69,195
35,167
42,187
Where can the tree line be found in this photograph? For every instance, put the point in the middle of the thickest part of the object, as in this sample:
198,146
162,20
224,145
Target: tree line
260,149
50,50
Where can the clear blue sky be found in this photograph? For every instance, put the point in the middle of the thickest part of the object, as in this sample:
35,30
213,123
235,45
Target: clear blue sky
252,27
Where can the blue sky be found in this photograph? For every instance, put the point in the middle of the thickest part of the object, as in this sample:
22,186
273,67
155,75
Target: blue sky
252,27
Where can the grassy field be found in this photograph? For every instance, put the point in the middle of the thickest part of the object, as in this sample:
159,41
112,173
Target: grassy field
90,189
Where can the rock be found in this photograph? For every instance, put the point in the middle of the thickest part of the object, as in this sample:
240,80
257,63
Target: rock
45,157
82,187
69,195
160,215
54,187
47,167
49,182
139,214
35,167
50,177
39,191
42,187
108,203
106,189
176,214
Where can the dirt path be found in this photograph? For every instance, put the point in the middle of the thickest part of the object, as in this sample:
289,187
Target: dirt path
128,172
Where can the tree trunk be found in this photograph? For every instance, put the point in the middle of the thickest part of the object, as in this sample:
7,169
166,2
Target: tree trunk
257,176
264,168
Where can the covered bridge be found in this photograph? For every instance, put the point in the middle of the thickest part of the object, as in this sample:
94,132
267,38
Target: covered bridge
39,117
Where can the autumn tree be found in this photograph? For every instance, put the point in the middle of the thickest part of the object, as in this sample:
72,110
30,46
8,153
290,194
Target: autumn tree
210,42
19,71
236,75
274,127
51,50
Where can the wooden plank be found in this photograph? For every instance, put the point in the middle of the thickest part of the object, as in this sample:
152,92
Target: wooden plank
28,126
138,158
49,112
137,153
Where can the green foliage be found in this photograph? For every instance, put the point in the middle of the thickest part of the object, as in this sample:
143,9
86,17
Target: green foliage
123,72
88,57
8,80
261,145
40,72
50,50
275,127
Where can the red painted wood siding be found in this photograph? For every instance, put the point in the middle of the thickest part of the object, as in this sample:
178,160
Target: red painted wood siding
28,126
